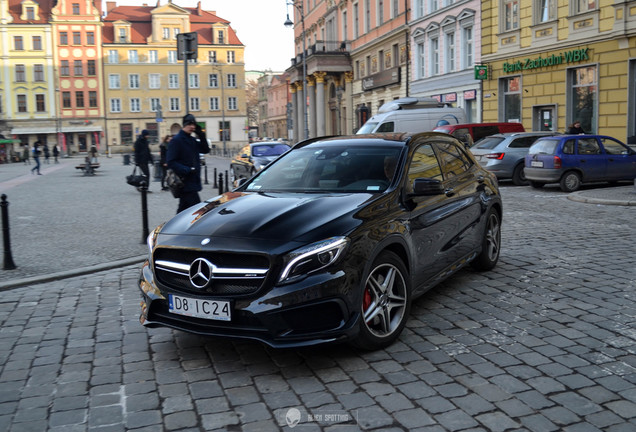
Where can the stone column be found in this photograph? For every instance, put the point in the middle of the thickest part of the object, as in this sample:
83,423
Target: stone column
294,112
300,126
348,96
311,109
320,102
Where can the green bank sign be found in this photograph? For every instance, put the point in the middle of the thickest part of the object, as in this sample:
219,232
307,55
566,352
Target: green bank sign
553,60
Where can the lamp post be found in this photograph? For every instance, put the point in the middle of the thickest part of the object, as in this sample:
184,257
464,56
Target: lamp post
289,23
218,68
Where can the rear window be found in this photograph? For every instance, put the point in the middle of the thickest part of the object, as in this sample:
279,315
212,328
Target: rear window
544,146
489,143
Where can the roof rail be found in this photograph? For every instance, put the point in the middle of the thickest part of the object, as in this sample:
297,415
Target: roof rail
410,103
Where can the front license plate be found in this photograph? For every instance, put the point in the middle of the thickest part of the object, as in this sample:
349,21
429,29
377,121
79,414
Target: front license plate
207,309
536,164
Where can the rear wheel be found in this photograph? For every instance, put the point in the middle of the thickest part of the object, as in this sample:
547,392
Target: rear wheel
537,185
571,181
385,303
491,243
518,176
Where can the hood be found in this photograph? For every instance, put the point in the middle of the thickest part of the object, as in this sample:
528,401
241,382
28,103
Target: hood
277,216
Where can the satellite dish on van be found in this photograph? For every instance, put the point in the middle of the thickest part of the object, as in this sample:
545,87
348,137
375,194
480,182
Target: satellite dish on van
409,103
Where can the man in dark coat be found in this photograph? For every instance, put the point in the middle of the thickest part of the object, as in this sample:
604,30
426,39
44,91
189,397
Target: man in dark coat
142,155
183,159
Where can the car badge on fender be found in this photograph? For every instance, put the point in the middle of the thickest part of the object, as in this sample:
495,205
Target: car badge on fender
201,273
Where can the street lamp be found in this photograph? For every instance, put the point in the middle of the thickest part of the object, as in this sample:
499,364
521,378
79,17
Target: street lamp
289,23
218,68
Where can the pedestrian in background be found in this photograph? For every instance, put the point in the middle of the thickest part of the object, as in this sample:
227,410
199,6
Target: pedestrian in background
143,155
25,155
575,128
47,154
163,151
183,158
36,157
56,153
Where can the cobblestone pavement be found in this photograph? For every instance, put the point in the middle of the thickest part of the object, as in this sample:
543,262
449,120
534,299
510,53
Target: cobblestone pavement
545,342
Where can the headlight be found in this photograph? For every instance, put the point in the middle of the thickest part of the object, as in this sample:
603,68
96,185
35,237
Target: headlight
311,258
151,241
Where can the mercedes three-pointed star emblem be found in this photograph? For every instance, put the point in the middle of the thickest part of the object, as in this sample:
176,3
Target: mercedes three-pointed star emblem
201,273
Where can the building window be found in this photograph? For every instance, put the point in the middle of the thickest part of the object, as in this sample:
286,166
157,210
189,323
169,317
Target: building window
468,48
434,55
66,99
193,80
113,81
213,80
450,52
231,57
77,38
155,103
37,43
18,43
583,88
214,104
113,56
91,70
122,35
175,105
40,105
367,15
221,39
581,6
90,38
173,81
92,99
126,133
380,12
175,32
195,104
511,15
133,57
545,10
154,81
76,9
356,21
512,98
20,73
30,13
77,68
38,73
231,80
212,56
166,32
79,99
22,103
135,105
64,68
63,38
232,103
115,105
133,81
153,57
172,56
421,61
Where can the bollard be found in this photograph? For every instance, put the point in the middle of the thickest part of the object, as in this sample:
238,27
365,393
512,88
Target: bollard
206,174
144,211
220,183
215,184
227,181
8,258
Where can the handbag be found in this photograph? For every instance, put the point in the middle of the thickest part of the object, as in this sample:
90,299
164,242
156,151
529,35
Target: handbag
135,179
174,182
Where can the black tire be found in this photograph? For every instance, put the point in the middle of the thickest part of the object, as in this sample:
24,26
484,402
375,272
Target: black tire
536,185
518,176
491,243
385,303
570,182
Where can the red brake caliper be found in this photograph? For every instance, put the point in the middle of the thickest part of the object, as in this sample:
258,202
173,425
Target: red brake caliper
366,300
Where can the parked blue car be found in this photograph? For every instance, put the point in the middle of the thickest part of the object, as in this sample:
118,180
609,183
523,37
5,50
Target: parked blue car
575,159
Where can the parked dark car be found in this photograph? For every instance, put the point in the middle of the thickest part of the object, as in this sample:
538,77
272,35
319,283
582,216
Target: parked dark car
571,160
477,131
330,242
504,154
254,157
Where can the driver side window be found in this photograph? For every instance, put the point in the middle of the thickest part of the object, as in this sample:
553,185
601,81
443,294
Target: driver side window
424,164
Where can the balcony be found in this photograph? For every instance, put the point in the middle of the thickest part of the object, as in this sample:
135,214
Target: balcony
324,56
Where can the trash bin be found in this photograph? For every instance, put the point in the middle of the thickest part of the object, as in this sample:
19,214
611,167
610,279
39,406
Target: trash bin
126,159
158,171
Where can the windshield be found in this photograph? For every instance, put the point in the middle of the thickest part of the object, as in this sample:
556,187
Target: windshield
543,146
367,128
269,149
330,169
488,143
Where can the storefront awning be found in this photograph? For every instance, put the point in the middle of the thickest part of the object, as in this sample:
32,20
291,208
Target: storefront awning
48,130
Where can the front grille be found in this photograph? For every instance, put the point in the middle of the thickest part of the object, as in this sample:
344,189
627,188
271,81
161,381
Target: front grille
234,274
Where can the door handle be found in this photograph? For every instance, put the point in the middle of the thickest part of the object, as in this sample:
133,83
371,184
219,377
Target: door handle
449,192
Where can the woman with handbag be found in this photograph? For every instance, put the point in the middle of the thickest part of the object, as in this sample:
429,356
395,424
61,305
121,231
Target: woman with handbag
183,159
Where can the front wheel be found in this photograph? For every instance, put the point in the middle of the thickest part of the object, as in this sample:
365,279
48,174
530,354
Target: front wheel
570,182
518,176
491,243
385,303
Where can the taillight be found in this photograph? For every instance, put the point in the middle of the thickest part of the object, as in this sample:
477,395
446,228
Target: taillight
498,156
557,162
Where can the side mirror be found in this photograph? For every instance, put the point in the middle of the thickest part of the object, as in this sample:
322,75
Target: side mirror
427,187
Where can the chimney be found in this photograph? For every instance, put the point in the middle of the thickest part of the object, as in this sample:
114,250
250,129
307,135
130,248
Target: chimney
199,11
110,5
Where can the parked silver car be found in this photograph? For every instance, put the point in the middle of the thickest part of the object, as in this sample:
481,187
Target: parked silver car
503,154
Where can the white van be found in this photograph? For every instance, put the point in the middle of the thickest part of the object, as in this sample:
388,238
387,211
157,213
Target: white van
412,115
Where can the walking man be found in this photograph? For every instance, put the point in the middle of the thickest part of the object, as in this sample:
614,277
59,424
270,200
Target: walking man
143,155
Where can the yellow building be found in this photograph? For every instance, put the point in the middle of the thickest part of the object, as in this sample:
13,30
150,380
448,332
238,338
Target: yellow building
550,63
145,86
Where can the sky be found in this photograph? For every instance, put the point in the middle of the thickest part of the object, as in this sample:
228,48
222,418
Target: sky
269,45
